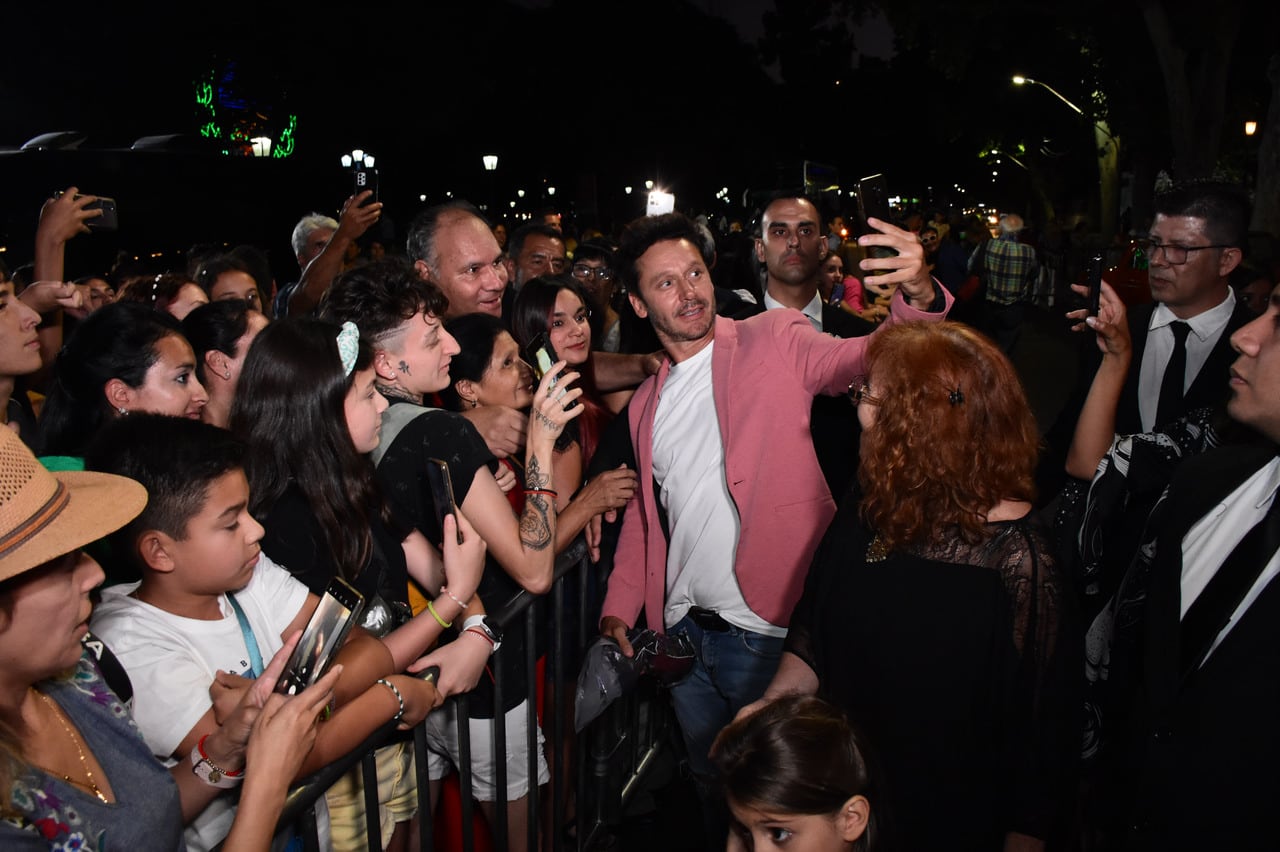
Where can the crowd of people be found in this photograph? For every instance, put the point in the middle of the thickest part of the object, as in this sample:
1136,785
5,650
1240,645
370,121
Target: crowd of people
806,452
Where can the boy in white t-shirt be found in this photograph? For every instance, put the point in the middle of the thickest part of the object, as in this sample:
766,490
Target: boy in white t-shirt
210,602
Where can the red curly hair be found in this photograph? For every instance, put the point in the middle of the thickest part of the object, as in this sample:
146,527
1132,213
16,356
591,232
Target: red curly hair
953,434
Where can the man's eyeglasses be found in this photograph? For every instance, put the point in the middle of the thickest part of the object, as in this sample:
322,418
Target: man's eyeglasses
1174,255
583,272
860,391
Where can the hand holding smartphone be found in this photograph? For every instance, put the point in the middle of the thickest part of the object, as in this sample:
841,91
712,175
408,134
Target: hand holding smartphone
442,493
325,632
1095,285
108,221
366,178
873,203
540,356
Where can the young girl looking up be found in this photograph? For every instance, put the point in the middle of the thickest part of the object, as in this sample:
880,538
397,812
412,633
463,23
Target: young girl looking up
796,777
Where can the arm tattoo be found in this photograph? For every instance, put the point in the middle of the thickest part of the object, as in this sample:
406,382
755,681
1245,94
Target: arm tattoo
534,478
547,423
535,523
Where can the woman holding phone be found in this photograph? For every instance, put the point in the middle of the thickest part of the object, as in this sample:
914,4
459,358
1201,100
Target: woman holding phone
489,370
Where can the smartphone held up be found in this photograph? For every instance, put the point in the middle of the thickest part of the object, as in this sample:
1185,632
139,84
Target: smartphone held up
1095,284
332,620
873,203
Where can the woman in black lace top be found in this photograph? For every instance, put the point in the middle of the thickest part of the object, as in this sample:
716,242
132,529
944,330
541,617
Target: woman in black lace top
934,613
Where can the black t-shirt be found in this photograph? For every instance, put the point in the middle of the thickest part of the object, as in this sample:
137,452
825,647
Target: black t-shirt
402,473
402,470
294,539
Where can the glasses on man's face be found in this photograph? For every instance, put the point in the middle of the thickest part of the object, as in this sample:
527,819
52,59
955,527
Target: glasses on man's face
860,391
1174,255
584,273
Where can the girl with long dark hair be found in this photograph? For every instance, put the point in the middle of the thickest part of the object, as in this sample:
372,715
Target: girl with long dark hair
309,413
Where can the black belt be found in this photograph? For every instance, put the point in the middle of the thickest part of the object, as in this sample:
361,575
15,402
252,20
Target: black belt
709,619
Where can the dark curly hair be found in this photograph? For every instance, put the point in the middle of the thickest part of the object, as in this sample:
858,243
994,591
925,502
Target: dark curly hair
953,434
380,296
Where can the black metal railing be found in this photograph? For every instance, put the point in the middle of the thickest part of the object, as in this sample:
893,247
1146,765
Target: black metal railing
609,758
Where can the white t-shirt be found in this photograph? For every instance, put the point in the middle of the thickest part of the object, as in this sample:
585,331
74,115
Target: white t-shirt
688,464
172,660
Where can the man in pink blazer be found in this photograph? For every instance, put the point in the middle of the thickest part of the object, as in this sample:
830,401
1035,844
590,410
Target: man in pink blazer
732,501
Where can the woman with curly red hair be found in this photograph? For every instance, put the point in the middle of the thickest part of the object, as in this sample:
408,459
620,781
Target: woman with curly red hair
934,614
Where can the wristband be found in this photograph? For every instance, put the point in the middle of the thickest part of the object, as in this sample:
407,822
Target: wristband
399,698
431,609
209,772
479,624
444,590
544,491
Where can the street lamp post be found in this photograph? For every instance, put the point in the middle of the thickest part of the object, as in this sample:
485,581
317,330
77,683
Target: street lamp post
490,169
1107,152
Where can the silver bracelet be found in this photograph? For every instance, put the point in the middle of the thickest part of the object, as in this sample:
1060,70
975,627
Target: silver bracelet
400,698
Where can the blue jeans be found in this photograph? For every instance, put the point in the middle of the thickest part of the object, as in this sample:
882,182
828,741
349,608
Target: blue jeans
731,670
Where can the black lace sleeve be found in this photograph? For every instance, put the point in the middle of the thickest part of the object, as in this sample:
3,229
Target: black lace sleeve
1043,743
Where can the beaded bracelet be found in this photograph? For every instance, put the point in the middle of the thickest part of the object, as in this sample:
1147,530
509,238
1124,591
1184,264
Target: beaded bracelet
444,590
399,698
431,609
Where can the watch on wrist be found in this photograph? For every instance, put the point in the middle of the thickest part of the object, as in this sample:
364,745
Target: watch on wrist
481,625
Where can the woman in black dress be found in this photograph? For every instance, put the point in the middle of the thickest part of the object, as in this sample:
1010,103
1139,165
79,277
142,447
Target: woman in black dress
934,613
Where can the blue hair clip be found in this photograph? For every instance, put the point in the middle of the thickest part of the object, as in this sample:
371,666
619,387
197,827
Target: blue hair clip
348,346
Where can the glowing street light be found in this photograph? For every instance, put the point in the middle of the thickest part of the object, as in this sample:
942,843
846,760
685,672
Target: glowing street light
1250,128
1106,151
1019,80
490,162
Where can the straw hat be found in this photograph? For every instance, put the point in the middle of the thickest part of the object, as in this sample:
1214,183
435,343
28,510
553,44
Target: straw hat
45,515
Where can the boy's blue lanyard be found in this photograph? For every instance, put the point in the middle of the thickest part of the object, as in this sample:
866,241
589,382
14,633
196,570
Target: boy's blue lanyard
292,841
251,644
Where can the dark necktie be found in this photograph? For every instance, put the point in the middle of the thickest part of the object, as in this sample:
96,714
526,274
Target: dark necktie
1217,602
1175,375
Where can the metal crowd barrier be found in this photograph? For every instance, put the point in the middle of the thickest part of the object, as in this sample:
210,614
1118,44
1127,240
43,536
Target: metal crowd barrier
611,756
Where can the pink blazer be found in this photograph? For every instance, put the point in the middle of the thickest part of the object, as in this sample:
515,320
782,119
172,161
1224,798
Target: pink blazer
765,372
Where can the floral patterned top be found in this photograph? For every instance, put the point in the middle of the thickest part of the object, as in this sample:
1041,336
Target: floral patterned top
54,815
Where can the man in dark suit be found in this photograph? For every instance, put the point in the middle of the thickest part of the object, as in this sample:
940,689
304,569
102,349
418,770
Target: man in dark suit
1198,767
1197,239
792,246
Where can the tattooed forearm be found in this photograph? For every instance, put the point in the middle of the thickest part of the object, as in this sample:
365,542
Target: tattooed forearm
539,513
534,478
535,523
